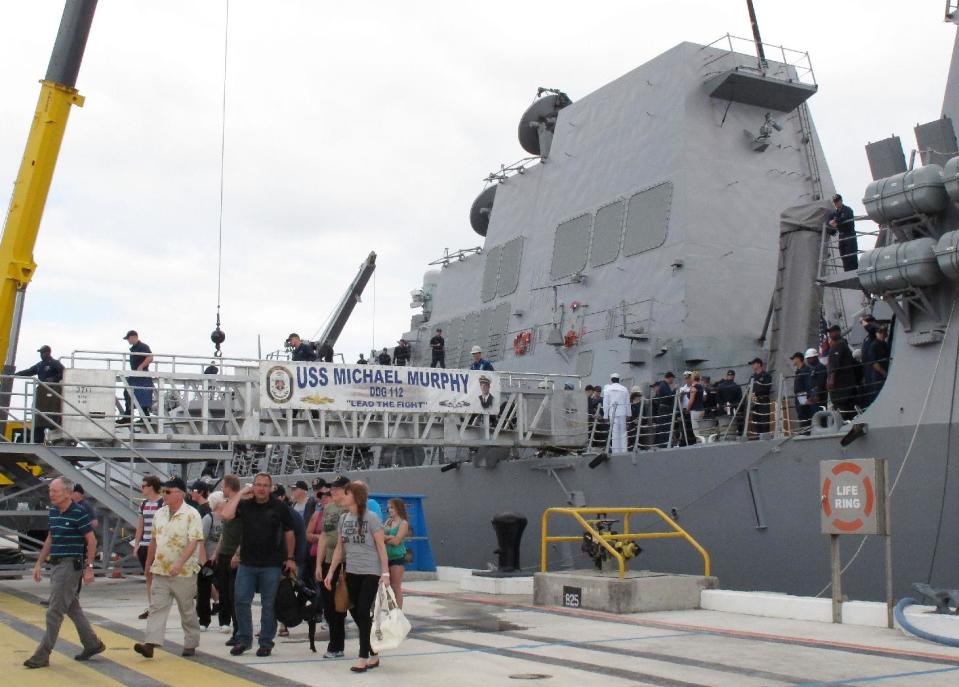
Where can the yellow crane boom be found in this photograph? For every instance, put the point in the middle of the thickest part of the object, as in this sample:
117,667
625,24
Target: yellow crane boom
58,94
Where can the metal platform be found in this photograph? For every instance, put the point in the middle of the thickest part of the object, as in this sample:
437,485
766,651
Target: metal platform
754,88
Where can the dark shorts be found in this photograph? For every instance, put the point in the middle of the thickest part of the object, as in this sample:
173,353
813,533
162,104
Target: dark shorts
142,556
396,561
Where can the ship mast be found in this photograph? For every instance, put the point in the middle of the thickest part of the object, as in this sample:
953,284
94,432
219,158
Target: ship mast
757,39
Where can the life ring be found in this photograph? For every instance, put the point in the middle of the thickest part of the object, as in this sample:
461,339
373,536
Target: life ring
571,339
521,343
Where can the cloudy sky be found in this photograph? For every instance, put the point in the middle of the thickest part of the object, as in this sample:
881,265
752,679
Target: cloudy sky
357,127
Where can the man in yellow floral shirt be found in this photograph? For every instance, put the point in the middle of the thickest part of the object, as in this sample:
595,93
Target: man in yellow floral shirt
173,559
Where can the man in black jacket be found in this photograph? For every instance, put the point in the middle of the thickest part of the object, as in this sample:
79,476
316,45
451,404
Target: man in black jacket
728,396
402,353
841,374
801,386
302,351
762,387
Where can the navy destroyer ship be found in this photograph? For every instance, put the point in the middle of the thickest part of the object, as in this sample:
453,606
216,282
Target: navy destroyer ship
673,219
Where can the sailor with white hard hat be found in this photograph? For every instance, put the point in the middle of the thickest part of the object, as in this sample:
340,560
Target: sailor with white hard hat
479,362
817,380
616,409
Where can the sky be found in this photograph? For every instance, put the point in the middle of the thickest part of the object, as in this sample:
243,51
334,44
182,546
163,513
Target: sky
357,127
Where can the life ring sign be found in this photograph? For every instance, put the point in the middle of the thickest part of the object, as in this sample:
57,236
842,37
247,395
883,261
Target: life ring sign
852,496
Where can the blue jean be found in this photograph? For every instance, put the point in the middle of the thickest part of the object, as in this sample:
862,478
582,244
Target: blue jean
249,581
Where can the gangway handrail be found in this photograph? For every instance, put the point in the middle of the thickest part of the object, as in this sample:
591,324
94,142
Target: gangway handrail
604,539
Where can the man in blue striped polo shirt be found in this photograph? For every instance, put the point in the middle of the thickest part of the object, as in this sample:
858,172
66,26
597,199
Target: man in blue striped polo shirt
71,547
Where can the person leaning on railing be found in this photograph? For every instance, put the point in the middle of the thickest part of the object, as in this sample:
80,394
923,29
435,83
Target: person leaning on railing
841,374
762,386
841,221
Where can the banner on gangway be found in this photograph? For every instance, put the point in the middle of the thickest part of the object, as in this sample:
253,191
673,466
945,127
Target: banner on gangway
327,386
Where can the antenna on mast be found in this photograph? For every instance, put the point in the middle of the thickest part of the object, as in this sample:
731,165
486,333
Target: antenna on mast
757,39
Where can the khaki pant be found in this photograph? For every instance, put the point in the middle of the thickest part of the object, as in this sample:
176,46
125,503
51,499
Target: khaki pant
65,600
164,592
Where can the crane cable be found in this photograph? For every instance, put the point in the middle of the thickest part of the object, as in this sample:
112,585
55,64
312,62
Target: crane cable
218,337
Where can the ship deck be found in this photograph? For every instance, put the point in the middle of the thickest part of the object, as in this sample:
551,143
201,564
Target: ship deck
471,639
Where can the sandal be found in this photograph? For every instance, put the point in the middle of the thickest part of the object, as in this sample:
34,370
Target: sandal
371,666
359,669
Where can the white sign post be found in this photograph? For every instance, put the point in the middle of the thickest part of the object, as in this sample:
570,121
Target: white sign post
854,500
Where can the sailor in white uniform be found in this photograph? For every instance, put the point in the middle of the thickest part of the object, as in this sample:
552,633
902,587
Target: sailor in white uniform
616,410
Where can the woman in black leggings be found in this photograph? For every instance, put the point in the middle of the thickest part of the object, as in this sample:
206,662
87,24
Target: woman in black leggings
362,546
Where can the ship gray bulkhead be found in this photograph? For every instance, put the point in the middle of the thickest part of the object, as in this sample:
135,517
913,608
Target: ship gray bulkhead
688,286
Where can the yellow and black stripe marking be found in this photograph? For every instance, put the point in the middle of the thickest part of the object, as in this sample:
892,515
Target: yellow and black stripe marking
22,624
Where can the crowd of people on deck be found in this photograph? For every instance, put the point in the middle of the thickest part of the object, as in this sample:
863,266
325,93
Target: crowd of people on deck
833,375
211,551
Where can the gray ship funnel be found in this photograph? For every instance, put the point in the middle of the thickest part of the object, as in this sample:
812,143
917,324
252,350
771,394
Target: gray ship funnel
537,124
481,209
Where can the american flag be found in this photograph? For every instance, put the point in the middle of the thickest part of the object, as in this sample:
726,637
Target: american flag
823,335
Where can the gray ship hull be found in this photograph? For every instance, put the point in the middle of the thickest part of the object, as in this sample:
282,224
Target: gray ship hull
754,507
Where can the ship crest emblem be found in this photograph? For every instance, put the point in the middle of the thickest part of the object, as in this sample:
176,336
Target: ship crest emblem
279,384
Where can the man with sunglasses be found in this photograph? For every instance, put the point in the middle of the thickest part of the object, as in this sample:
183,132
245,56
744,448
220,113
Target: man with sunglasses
267,548
173,559
152,501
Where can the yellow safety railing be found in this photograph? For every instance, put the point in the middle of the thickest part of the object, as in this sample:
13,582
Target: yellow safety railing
603,539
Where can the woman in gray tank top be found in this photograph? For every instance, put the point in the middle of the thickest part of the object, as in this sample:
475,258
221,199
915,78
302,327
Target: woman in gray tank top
362,546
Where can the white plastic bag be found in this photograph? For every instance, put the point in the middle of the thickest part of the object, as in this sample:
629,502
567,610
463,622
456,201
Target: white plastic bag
390,626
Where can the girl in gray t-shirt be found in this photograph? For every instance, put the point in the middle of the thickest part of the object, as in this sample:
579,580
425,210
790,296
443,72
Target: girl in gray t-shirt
362,546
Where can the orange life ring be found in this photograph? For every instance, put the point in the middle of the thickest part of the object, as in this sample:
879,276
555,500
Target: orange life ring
521,343
571,339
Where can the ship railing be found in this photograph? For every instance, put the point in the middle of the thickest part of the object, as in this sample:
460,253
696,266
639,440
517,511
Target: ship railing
217,411
606,540
172,363
739,52
113,482
831,256
855,399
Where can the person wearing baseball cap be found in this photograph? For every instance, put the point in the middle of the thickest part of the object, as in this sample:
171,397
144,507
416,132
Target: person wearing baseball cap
664,394
761,383
326,545
841,369
48,371
140,358
801,386
300,492
174,563
841,221
302,351
402,353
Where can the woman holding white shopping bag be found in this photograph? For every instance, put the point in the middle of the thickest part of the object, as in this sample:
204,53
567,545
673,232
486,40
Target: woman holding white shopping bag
362,546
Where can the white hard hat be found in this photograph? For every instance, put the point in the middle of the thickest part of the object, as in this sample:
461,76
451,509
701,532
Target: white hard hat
812,353
476,349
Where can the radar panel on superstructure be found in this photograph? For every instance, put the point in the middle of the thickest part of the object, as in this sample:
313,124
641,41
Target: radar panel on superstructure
570,247
647,219
607,234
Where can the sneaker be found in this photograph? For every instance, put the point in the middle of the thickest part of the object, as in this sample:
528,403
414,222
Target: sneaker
324,627
36,662
283,632
87,654
144,615
188,652
238,649
333,654
226,629
145,650
264,651
230,642
204,628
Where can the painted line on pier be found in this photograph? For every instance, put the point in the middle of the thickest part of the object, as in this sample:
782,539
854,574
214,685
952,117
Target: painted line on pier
864,649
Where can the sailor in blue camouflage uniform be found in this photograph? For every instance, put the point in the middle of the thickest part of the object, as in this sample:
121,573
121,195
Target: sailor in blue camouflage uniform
49,371
71,547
